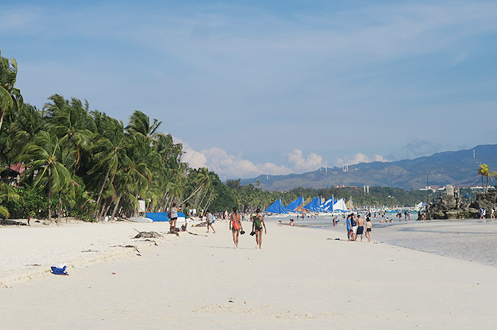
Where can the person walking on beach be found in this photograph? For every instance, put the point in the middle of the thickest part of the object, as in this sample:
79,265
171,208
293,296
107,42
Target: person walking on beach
492,215
369,225
186,211
257,224
173,216
360,227
210,221
235,226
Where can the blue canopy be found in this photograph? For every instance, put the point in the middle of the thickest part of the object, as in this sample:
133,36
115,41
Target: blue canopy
277,207
161,216
314,205
296,203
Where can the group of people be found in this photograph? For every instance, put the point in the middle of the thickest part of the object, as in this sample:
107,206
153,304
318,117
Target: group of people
482,213
355,227
236,227
173,216
235,223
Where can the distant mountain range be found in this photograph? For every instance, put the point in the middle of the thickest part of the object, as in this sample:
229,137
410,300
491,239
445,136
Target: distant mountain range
452,167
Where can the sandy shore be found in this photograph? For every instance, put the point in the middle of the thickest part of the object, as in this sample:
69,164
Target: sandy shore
303,278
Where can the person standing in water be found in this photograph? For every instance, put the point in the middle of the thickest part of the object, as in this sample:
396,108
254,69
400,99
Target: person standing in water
257,224
235,226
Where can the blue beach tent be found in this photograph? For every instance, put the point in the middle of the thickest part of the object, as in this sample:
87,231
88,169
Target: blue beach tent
277,207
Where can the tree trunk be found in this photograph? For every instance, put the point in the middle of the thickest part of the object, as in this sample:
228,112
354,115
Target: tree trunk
1,119
49,194
116,207
99,216
107,209
59,219
103,186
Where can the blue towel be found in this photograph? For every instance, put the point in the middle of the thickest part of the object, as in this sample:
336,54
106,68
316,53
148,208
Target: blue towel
59,270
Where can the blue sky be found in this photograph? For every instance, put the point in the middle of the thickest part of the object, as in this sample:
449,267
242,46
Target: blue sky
278,87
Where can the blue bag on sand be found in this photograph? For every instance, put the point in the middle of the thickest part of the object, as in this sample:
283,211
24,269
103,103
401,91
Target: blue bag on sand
59,269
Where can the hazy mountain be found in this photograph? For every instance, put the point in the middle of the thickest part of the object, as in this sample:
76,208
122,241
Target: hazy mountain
451,167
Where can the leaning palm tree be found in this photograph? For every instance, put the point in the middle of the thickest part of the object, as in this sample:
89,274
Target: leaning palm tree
484,172
42,159
109,153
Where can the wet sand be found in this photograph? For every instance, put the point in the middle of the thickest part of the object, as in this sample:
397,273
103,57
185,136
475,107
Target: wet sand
470,240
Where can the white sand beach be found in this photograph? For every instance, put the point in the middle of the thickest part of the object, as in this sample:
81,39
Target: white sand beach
302,278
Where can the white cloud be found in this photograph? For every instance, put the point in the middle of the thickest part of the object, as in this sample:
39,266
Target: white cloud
359,158
219,161
313,161
226,165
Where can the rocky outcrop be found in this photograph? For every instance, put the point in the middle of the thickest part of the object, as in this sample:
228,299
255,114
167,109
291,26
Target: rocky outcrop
454,207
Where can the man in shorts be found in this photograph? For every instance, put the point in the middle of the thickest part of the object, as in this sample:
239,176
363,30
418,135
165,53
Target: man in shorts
360,226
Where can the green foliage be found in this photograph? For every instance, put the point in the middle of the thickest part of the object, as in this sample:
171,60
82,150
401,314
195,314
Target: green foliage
224,198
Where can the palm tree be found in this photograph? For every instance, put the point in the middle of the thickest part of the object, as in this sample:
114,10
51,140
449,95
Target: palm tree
139,124
484,172
10,97
71,122
109,152
43,162
7,193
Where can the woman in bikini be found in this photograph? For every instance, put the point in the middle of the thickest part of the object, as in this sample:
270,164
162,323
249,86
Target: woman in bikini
257,224
235,226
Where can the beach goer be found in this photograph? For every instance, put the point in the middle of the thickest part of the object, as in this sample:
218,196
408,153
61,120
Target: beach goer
173,216
369,225
235,226
186,211
360,227
210,221
349,227
354,226
292,223
492,216
257,224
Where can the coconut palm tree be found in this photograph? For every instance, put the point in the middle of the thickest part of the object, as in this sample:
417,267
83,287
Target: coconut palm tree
7,193
43,161
109,152
71,122
139,124
484,172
